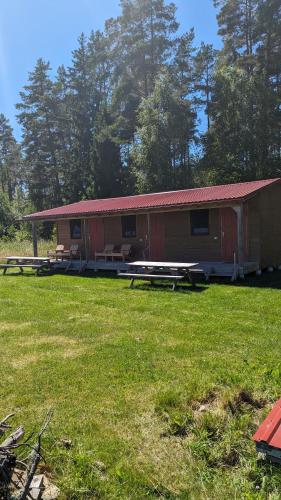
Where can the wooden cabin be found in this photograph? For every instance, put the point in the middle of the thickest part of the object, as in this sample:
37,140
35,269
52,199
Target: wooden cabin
227,225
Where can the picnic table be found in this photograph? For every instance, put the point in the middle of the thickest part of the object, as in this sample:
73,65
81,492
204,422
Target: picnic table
22,262
152,271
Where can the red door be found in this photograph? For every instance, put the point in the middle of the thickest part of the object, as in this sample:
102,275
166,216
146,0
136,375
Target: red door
96,236
228,234
157,237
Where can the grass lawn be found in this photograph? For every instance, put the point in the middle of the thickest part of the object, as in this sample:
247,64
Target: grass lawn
160,392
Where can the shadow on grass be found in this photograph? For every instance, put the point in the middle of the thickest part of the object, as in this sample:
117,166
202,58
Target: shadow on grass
168,288
264,468
27,274
266,280
186,287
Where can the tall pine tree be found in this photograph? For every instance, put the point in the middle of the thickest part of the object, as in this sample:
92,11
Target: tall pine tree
38,119
161,155
204,77
10,161
142,44
243,141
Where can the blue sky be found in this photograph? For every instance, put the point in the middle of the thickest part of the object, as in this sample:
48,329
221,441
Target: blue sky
30,29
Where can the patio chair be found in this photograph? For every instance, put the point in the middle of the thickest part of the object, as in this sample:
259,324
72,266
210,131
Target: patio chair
107,252
124,253
73,252
57,253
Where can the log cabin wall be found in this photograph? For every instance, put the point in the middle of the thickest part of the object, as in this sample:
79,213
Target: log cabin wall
181,245
63,235
254,230
264,227
113,234
270,225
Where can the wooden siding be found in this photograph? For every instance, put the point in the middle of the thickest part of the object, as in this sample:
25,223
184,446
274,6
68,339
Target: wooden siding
229,240
180,245
270,220
175,238
264,227
253,234
63,235
113,234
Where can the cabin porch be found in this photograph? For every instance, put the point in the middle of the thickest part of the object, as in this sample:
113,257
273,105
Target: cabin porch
200,235
215,237
210,269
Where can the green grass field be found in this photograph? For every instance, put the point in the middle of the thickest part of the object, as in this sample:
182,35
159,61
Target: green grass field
160,392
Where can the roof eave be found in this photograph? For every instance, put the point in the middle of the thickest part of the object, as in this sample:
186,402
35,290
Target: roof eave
110,213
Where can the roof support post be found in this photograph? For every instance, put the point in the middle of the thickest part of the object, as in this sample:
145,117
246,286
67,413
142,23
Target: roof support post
240,237
84,232
34,239
149,236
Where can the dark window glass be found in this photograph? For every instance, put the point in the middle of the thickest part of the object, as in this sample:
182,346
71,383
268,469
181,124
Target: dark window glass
129,229
75,229
199,222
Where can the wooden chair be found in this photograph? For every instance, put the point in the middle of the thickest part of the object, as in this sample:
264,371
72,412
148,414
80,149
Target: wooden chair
73,252
107,252
57,253
124,253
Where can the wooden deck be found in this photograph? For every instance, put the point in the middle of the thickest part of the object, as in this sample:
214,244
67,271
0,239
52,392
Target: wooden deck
210,268
93,265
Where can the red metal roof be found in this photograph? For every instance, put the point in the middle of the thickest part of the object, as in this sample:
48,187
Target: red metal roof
269,431
169,199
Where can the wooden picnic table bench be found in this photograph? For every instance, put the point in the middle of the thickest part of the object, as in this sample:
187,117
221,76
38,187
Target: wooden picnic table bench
22,262
28,258
152,278
173,268
152,271
38,267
